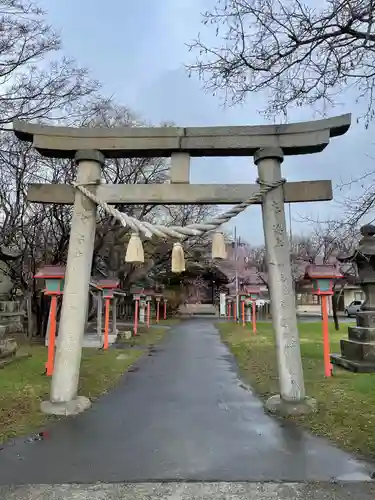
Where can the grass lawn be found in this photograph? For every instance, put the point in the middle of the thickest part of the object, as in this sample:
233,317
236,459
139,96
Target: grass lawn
346,401
23,385
147,336
169,321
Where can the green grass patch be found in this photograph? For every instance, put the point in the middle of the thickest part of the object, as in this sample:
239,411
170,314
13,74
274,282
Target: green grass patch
169,322
145,336
23,385
346,401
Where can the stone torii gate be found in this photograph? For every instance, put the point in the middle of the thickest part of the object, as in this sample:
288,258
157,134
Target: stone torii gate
91,146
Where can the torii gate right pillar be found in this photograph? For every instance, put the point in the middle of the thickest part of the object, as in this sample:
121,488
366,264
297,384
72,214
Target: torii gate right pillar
292,398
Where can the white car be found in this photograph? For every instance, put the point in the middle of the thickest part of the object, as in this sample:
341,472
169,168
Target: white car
262,302
353,308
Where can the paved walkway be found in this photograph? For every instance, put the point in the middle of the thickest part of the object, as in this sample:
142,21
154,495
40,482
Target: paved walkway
183,415
193,491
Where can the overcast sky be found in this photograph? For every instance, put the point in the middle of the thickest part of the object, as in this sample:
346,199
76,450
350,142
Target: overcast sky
137,50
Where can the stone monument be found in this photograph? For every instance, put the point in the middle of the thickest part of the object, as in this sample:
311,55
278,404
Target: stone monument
358,351
11,315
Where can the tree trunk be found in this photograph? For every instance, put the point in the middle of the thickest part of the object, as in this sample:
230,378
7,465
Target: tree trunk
30,332
335,304
334,313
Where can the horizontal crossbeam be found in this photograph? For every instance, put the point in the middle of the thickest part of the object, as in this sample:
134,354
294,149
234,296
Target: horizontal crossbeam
128,142
178,194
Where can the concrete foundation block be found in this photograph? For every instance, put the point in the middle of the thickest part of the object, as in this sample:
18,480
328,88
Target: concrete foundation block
359,351
352,365
361,334
366,319
278,406
69,408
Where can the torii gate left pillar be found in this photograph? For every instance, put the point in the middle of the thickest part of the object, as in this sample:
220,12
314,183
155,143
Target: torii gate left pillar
64,399
267,144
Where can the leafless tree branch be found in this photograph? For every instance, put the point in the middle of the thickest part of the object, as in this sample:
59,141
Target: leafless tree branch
299,53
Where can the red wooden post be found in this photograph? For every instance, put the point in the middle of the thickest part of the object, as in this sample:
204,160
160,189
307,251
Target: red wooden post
136,317
51,335
254,315
106,324
229,310
165,309
326,347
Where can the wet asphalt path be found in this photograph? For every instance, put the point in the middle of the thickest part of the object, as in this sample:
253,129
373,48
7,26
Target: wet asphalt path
183,415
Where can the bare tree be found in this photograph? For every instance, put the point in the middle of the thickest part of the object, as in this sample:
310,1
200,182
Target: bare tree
38,84
248,261
300,53
355,198
324,245
321,246
42,231
34,84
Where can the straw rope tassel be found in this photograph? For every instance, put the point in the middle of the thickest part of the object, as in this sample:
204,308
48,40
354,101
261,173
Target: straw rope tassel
218,246
178,259
134,252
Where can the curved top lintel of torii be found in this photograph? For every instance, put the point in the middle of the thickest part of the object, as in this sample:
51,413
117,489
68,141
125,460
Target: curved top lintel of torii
127,142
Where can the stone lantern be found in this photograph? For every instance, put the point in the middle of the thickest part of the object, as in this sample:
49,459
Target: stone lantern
358,351
253,293
158,297
138,295
54,279
108,287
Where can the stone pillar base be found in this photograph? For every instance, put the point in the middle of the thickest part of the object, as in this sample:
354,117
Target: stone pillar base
66,409
358,350
276,405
